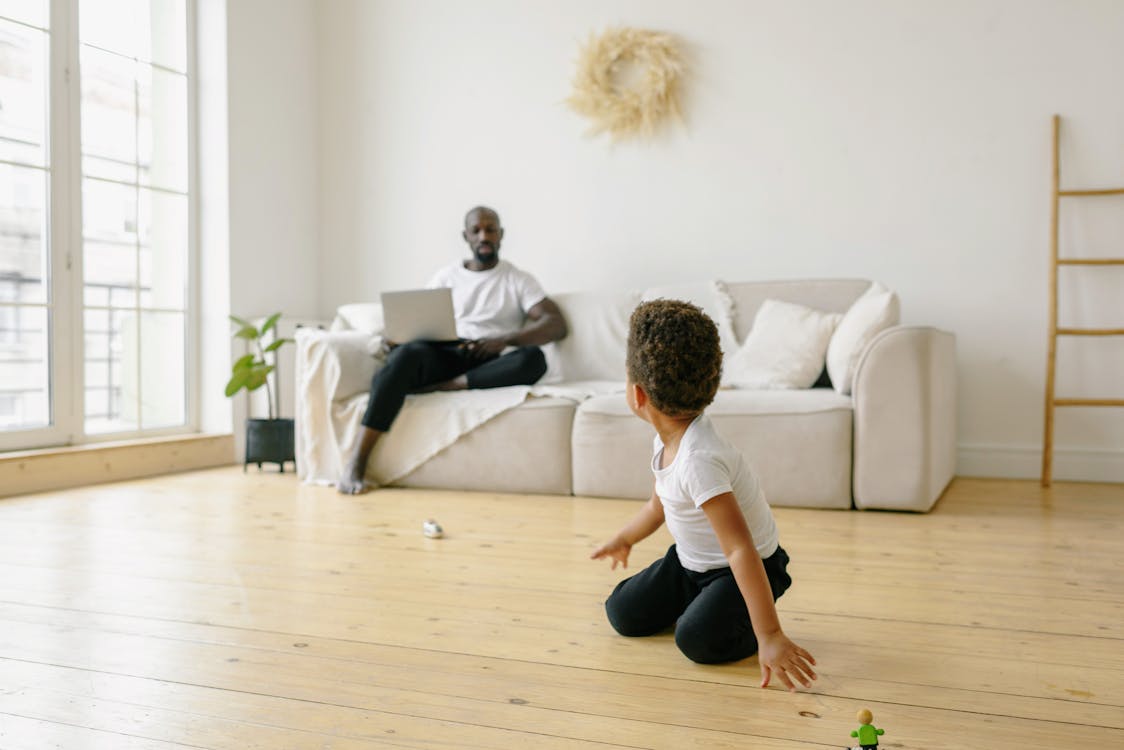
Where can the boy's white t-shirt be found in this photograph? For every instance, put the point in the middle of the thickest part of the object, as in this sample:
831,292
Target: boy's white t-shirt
706,466
489,303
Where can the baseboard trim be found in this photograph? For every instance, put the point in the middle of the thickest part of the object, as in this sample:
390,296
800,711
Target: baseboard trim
24,472
1025,462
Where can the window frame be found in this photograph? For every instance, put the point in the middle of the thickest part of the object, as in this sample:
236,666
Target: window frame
65,290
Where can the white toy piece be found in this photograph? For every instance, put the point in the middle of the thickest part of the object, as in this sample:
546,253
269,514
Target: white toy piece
432,529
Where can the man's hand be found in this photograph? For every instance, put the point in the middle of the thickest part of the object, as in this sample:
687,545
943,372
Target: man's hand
484,349
616,548
778,654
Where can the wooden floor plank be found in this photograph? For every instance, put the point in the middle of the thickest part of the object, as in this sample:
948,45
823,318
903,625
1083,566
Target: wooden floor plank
23,733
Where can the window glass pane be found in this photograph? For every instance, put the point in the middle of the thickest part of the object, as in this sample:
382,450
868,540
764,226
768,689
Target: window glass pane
97,322
109,212
114,25
162,128
23,94
148,30
109,260
111,275
23,250
24,367
163,256
34,12
111,349
109,116
96,296
163,364
168,19
97,373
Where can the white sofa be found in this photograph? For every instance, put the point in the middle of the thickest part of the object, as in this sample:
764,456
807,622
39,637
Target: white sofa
889,444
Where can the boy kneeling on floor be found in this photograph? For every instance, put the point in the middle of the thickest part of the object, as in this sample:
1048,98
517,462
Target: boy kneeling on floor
718,582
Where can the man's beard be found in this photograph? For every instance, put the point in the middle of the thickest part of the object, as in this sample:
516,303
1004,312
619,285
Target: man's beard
485,253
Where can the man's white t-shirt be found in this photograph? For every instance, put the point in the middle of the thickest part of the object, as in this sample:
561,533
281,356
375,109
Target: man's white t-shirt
489,303
707,465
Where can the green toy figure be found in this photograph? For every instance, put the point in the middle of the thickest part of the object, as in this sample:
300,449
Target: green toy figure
867,733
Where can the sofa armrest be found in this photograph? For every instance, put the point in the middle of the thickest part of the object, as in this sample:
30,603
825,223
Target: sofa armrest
905,419
331,366
336,364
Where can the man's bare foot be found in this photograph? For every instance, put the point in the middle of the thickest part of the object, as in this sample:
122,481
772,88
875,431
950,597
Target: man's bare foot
351,481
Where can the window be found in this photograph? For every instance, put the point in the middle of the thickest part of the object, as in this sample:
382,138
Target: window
95,203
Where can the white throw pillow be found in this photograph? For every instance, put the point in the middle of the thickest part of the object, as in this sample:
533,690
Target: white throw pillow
784,349
594,349
359,316
875,311
715,301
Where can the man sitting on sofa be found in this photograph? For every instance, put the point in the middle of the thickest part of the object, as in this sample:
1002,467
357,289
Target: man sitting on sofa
503,316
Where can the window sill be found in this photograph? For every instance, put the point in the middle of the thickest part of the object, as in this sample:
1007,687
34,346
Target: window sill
23,472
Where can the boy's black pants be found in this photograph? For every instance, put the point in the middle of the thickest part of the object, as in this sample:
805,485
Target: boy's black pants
707,609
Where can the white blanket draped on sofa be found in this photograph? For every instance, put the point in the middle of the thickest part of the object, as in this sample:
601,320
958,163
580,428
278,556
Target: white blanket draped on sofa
329,430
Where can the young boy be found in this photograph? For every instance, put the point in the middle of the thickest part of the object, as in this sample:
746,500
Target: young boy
718,582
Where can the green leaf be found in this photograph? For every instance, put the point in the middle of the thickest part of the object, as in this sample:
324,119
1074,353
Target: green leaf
270,322
238,381
258,377
239,321
278,344
248,332
242,362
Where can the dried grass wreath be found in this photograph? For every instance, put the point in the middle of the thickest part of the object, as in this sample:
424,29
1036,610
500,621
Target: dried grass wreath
628,110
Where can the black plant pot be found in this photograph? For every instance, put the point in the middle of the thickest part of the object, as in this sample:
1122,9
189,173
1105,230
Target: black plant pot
269,441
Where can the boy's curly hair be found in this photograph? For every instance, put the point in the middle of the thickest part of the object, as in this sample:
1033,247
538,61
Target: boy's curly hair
675,355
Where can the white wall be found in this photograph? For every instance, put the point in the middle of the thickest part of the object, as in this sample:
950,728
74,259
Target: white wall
258,177
274,187
902,141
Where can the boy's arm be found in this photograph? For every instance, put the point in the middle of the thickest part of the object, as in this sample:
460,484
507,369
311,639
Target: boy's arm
775,651
640,527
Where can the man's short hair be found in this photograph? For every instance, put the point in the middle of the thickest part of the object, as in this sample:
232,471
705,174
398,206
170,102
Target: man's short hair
482,210
675,355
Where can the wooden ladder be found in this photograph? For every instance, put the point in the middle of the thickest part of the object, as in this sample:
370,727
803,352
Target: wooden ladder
1051,361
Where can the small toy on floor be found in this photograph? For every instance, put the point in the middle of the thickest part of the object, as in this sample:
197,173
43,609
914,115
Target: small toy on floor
867,733
432,529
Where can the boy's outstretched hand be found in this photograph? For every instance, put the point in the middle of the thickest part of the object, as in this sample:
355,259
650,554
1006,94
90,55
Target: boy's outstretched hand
777,654
615,548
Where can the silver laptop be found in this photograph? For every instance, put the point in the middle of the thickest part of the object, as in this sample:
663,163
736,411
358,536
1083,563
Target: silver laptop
425,314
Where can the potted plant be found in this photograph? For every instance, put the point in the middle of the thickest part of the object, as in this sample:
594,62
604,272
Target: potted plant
267,440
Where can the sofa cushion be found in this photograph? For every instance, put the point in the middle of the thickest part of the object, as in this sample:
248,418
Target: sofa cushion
785,348
537,431
799,443
359,316
598,330
829,295
872,313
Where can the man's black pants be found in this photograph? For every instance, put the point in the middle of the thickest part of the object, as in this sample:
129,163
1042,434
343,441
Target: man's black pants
412,367
707,609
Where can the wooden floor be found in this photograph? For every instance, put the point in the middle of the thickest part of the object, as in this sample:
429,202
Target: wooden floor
216,610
